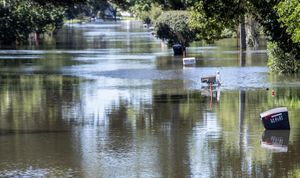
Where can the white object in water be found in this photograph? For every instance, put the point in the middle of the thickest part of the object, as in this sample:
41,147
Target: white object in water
189,61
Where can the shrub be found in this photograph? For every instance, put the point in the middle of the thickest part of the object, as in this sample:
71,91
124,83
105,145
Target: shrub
281,62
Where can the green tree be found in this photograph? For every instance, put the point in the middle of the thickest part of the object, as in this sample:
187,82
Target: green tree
13,24
46,18
175,4
211,18
207,26
281,62
60,2
89,8
270,15
146,11
279,19
20,18
173,27
289,16
276,31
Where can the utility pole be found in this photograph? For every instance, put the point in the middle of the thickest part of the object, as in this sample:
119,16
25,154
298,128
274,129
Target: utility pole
242,8
242,33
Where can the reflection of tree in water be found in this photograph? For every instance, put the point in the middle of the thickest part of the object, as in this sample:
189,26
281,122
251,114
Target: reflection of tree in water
70,38
176,115
167,62
242,58
29,102
33,127
287,164
120,128
244,160
171,118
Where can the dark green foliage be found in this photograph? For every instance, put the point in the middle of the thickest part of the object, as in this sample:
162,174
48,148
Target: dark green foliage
267,16
215,15
123,4
165,4
147,11
289,16
176,4
206,26
280,61
210,18
13,25
60,2
279,19
89,9
173,27
20,18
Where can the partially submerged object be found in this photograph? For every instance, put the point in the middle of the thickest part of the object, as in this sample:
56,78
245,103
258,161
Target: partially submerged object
209,79
276,119
178,49
189,61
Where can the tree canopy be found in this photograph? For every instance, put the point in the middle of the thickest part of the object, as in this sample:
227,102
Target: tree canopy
206,18
279,18
275,29
173,27
208,23
289,16
60,2
19,18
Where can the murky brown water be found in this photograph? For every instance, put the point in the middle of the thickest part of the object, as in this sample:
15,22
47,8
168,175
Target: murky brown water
108,100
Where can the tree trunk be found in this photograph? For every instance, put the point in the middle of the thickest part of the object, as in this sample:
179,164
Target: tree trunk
252,32
37,38
242,58
242,33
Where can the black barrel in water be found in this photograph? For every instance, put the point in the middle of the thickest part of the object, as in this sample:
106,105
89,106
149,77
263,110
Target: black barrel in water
178,49
276,119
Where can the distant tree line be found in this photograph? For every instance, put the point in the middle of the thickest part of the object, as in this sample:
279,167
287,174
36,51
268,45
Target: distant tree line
20,18
187,21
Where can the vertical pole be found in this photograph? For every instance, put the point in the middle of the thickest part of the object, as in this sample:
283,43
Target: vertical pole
243,45
242,58
242,33
242,100
210,95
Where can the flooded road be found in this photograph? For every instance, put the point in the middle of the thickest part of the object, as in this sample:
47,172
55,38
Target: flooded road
110,100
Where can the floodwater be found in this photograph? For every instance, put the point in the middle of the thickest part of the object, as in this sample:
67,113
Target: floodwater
111,100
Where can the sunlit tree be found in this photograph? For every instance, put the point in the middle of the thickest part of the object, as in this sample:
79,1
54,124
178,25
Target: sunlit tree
289,16
279,19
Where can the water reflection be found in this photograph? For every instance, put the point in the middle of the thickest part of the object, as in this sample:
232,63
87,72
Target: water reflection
275,141
130,109
31,101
